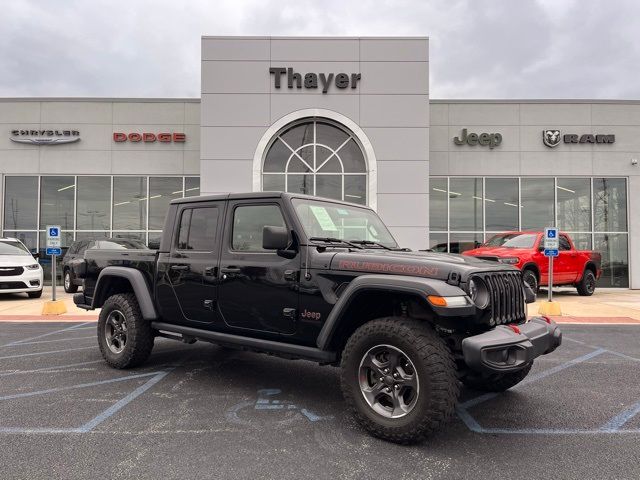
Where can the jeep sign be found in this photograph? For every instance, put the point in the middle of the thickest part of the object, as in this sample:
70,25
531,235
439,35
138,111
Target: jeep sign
483,139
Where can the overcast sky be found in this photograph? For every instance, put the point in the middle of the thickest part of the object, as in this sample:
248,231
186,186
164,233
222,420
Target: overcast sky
478,48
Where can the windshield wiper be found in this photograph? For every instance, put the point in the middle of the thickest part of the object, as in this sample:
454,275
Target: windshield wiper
371,242
335,240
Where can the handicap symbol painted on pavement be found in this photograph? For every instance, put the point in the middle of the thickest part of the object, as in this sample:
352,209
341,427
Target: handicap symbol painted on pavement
267,402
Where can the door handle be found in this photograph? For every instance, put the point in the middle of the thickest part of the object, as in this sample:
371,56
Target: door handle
210,271
230,270
180,267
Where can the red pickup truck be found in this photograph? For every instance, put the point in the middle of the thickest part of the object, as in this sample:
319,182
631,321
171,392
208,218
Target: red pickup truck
524,250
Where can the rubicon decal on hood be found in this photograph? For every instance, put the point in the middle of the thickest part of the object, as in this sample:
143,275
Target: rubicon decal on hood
399,268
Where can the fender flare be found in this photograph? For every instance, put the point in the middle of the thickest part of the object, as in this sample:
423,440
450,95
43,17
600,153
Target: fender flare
532,266
418,286
140,289
589,265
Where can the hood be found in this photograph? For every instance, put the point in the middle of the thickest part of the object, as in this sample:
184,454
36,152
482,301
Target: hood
420,264
16,260
497,251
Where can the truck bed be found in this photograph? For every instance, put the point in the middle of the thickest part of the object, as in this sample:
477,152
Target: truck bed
96,260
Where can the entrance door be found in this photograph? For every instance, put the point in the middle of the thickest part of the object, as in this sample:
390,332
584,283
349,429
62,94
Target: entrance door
187,289
258,288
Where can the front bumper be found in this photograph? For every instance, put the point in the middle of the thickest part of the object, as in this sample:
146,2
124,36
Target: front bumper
28,281
503,350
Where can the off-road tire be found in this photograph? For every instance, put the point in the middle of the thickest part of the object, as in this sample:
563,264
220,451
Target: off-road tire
435,370
498,382
140,336
72,288
530,278
587,284
37,294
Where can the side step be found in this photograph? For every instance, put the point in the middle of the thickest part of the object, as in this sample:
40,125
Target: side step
259,344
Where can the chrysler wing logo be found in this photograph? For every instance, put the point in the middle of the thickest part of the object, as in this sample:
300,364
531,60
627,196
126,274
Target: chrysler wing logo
6,269
551,138
45,137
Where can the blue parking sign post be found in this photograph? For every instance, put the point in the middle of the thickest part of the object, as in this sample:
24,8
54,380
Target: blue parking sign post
551,245
54,248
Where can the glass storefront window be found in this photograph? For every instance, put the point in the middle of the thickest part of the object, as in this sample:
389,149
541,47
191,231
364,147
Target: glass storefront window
615,259
537,197
438,242
355,189
89,235
56,201
316,157
465,204
31,203
93,203
461,242
21,203
142,236
129,203
501,204
582,241
593,211
191,186
30,239
438,204
610,204
574,204
161,191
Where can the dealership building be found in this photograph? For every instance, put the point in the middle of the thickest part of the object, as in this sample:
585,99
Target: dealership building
345,118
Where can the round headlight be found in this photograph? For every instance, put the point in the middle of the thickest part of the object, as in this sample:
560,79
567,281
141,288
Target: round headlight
479,292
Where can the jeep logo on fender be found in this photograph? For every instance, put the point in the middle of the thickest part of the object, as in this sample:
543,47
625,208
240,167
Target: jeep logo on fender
483,139
149,137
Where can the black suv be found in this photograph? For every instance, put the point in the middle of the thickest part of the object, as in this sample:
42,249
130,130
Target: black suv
322,280
73,260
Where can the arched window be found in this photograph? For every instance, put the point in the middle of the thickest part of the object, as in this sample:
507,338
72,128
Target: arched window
316,156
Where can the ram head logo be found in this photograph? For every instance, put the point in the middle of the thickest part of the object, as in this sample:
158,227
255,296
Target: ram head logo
551,138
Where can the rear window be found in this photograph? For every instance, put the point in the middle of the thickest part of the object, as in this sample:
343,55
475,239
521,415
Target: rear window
198,229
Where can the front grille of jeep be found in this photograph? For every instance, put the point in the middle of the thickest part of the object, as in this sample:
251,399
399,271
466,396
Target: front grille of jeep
507,296
11,271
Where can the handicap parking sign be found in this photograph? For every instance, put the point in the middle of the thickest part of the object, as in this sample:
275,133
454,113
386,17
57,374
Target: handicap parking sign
551,241
53,236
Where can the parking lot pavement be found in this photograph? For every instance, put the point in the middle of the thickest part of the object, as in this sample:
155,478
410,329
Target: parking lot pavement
202,411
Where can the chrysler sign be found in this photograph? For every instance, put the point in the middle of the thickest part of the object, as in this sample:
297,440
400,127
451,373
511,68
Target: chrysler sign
45,137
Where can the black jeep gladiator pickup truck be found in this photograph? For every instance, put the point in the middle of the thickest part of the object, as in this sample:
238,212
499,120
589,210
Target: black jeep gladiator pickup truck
322,280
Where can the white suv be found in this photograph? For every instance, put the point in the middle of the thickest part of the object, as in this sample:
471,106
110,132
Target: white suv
19,270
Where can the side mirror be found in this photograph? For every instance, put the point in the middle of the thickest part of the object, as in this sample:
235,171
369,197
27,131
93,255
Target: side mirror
541,248
275,238
36,255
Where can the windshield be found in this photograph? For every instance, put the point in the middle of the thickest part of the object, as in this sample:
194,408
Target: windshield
513,240
346,222
13,248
